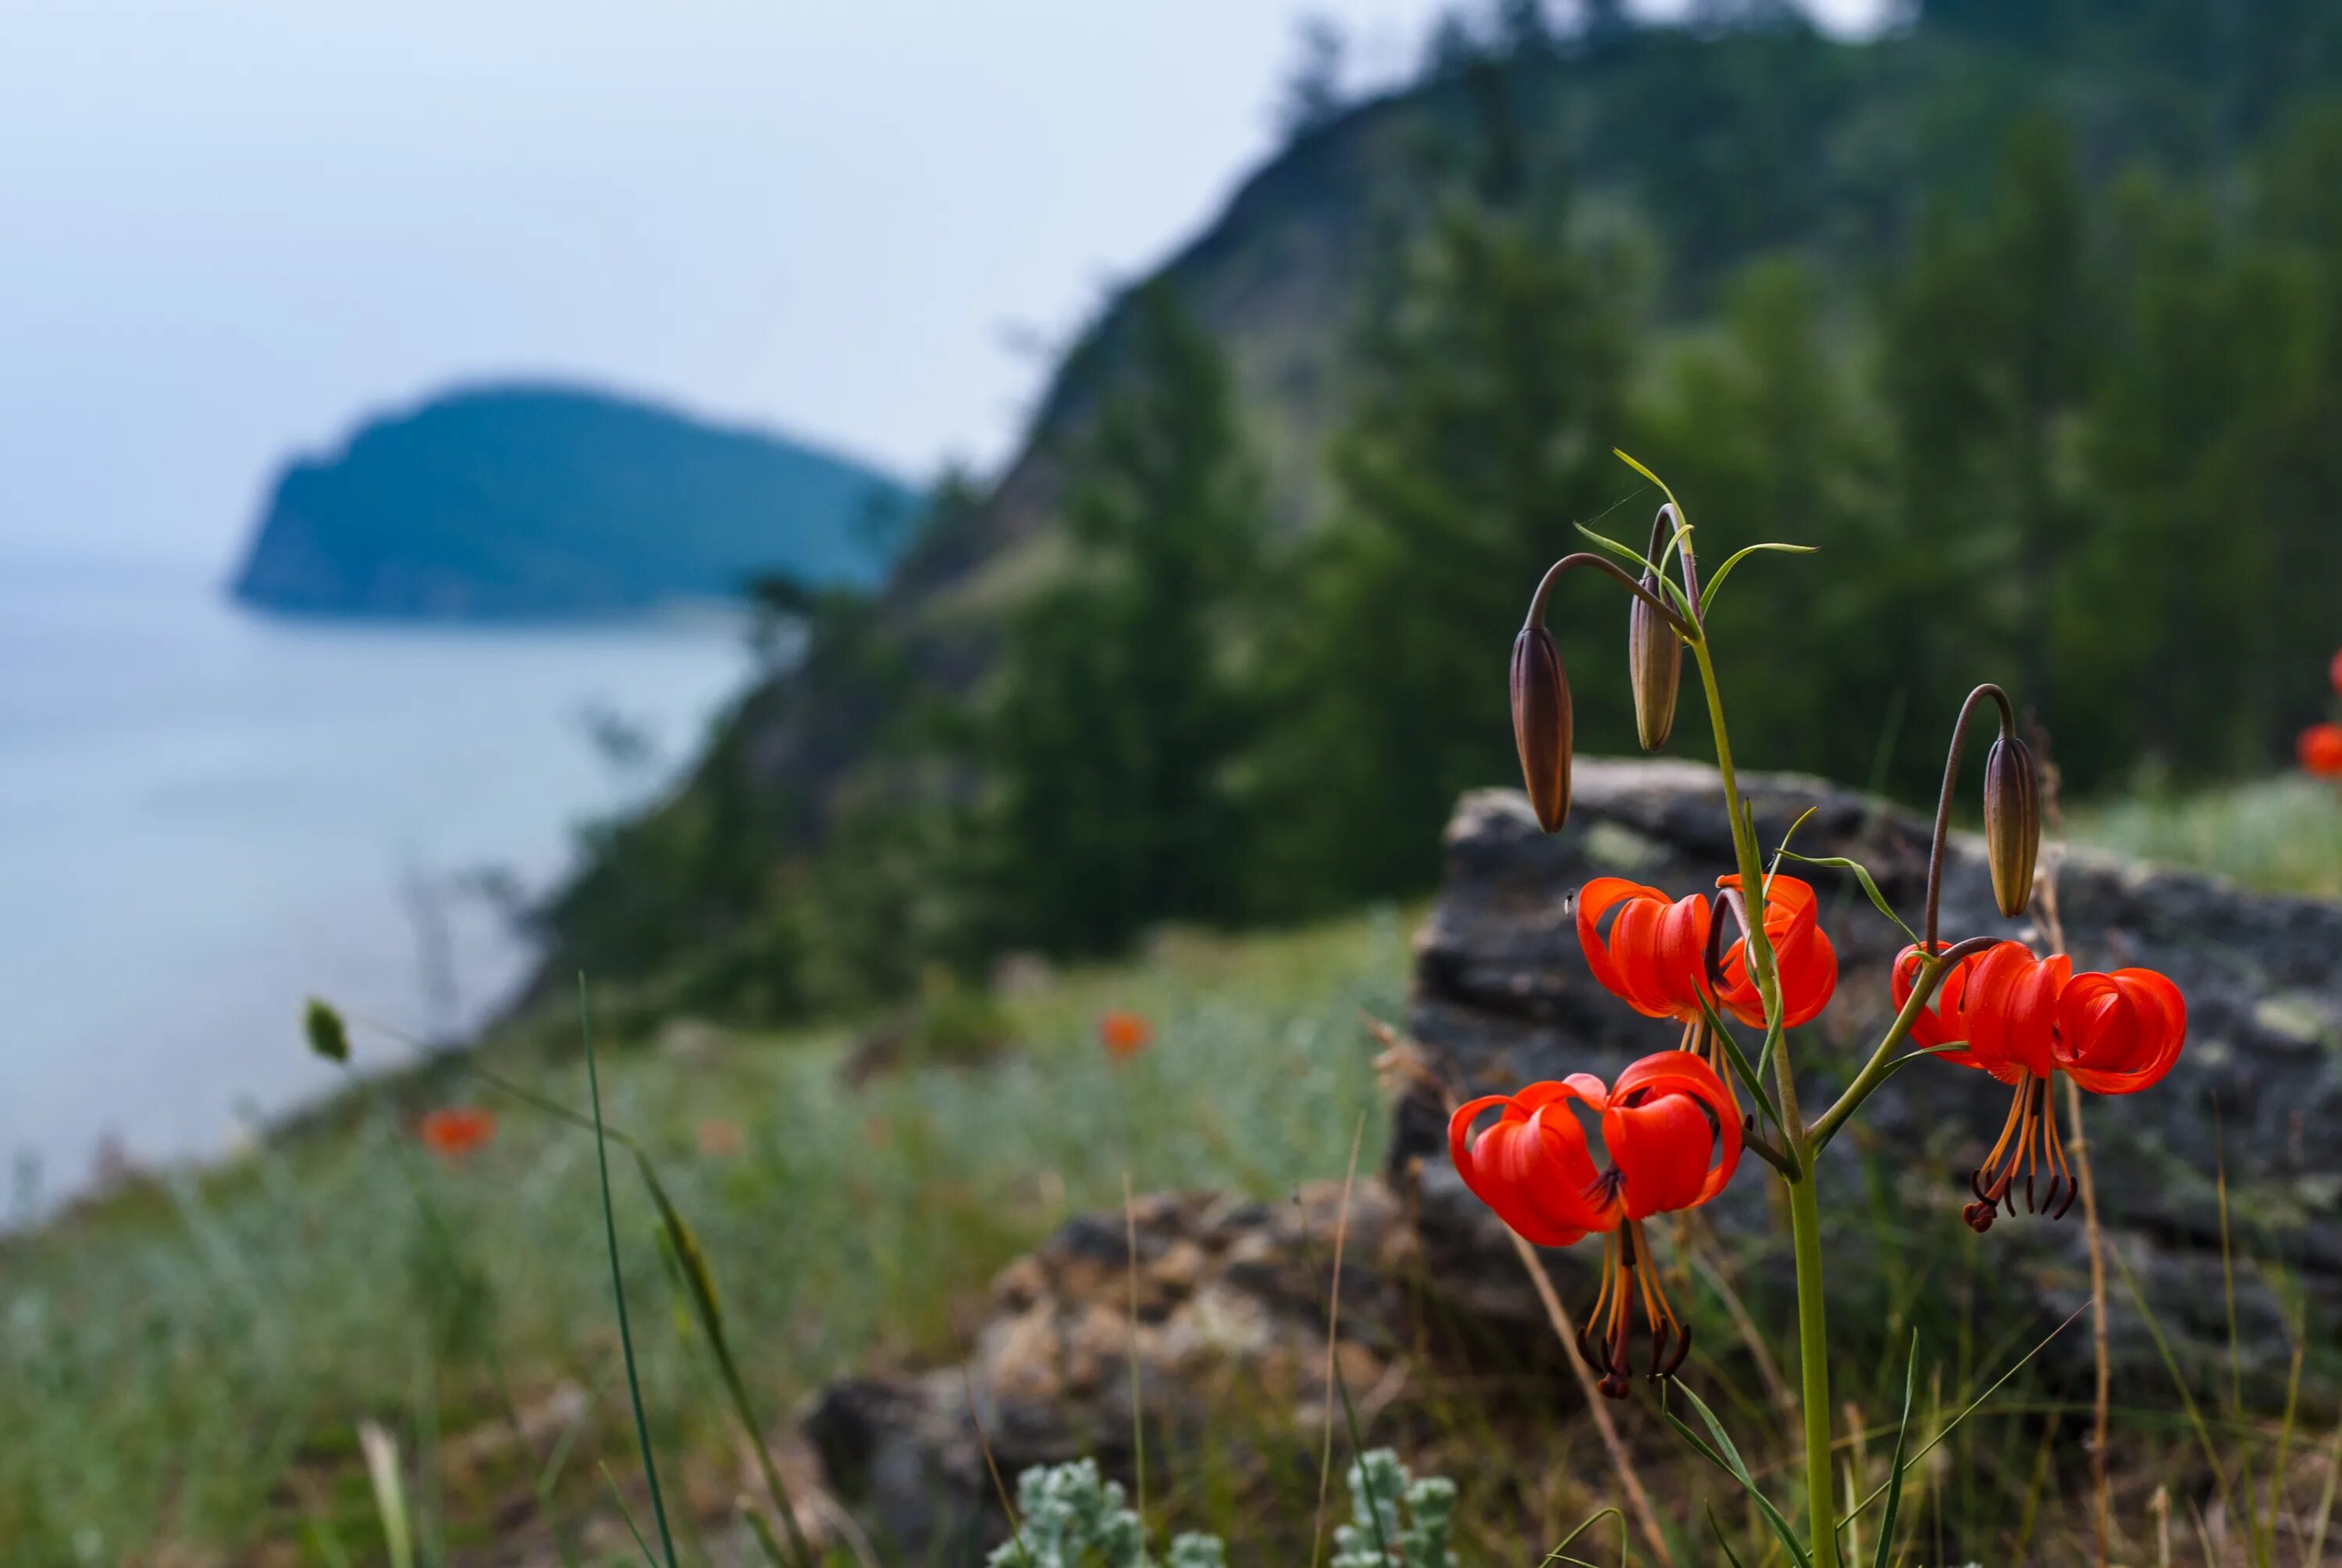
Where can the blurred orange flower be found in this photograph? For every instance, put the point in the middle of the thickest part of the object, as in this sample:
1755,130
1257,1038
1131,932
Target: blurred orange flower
2320,750
719,1139
2334,669
1124,1033
452,1131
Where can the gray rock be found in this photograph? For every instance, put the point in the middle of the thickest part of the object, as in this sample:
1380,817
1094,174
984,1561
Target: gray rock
1503,996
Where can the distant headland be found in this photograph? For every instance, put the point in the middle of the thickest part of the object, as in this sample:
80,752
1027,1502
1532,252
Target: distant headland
540,502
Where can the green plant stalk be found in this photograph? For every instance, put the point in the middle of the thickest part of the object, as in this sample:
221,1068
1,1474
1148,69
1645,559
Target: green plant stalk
618,1282
1805,1205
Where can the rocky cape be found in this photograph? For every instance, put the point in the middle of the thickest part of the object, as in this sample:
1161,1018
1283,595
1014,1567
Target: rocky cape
536,502
1232,1295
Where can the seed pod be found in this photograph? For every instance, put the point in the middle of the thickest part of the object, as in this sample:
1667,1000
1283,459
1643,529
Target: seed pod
2012,823
1541,724
327,1036
1655,661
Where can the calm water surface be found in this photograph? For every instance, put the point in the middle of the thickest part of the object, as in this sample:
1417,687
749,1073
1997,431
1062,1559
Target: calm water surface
205,817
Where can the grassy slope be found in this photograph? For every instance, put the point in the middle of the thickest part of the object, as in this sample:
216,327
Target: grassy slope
186,1364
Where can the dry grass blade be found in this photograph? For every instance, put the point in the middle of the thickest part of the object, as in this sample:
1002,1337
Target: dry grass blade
1333,1343
2102,1519
1645,1517
1137,1412
2325,1502
984,1439
389,1485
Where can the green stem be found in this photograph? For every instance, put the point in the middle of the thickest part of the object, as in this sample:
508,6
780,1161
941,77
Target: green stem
1813,1363
1804,1206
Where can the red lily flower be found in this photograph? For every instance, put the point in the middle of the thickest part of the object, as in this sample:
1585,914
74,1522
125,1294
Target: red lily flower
1672,1135
2320,751
2024,1020
1802,956
1654,957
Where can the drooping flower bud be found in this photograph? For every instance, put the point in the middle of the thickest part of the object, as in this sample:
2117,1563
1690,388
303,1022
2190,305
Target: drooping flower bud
1541,724
1655,661
2012,823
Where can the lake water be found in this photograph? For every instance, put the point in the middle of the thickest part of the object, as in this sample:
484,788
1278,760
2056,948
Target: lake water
205,817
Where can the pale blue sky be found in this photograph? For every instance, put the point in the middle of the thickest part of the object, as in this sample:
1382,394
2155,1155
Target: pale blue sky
233,228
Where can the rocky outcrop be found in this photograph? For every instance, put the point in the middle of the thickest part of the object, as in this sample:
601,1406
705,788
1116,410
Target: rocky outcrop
1502,995
1229,1317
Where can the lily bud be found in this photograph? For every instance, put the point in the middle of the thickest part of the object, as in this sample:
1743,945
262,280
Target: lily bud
2012,823
1655,661
1541,724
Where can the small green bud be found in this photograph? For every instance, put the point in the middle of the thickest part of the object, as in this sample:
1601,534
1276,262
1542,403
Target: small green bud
328,1036
1541,724
2012,823
1655,661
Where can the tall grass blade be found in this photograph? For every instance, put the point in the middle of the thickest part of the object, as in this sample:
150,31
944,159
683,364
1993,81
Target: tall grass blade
1341,1384
618,1282
1887,1521
764,1542
2171,1366
2325,1502
1333,1342
1971,1407
1727,1458
627,1515
1561,1546
1730,1557
708,1308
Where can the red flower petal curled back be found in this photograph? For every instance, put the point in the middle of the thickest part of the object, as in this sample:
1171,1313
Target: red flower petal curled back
1653,958
1672,1135
1943,1021
2120,1033
1532,1165
1802,954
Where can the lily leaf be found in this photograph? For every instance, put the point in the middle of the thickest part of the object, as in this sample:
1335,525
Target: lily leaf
1727,1458
1861,875
1715,584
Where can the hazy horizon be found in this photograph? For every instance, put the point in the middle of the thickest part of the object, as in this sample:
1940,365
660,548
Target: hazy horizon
241,232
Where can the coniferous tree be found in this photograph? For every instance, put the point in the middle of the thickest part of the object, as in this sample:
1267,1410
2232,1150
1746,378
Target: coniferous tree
1118,708
1488,394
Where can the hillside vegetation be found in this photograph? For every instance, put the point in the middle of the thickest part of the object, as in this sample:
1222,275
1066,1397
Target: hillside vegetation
502,503
2028,317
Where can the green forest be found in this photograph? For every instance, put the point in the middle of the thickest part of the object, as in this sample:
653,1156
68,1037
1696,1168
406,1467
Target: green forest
2027,318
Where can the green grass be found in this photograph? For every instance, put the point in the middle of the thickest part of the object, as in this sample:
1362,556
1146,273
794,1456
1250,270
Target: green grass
183,1367
2279,836
188,1362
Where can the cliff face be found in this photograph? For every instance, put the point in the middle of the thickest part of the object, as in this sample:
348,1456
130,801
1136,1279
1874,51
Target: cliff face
517,502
